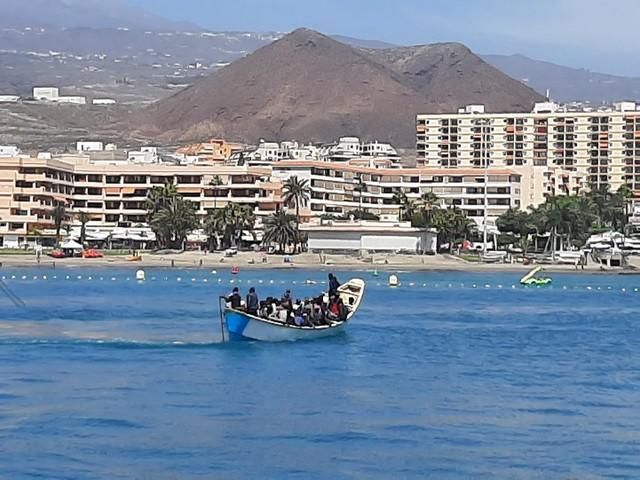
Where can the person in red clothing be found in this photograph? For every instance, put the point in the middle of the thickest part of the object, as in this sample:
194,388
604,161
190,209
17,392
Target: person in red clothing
333,312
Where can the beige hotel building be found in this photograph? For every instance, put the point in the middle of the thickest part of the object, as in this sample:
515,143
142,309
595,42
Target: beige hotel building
114,194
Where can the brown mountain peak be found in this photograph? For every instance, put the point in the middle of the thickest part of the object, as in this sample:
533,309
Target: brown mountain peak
311,87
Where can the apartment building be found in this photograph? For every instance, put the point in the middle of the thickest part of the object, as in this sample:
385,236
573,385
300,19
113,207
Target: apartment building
212,151
555,149
114,195
338,188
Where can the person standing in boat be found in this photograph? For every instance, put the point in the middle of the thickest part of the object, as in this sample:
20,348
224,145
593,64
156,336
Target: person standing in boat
333,285
234,300
252,302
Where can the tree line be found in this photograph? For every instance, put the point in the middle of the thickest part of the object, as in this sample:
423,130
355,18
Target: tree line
568,220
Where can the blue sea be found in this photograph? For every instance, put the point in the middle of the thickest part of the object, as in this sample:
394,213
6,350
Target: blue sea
452,375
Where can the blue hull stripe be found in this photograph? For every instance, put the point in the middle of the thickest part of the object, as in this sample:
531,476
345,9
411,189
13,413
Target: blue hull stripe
236,323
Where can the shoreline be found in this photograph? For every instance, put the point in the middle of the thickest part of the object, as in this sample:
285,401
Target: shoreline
306,261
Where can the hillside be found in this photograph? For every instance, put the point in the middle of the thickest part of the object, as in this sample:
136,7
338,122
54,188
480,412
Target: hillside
567,84
450,75
310,87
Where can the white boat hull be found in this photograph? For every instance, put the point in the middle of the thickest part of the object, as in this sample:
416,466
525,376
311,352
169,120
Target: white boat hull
241,326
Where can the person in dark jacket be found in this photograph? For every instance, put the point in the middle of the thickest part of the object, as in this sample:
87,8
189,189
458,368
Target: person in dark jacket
235,300
333,285
252,302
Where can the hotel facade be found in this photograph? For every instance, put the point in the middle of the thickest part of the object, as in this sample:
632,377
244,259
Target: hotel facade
113,195
556,150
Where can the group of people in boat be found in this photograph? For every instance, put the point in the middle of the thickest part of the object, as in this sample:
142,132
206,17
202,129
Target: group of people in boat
309,312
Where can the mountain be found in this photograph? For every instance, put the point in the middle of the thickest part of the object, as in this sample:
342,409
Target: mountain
567,84
451,75
310,87
81,13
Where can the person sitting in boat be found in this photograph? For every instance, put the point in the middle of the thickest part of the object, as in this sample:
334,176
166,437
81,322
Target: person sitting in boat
334,284
252,302
298,317
287,298
342,309
333,312
287,301
234,299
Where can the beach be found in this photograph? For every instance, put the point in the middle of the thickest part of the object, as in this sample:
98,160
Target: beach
259,260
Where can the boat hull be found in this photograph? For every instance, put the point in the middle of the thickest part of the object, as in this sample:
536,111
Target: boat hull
240,326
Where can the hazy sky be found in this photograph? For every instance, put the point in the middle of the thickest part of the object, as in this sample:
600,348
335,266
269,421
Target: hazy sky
595,34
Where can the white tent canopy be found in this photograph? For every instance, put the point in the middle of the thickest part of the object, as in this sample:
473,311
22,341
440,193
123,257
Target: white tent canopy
71,244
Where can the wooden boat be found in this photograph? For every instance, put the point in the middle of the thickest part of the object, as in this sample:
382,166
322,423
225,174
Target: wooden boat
239,325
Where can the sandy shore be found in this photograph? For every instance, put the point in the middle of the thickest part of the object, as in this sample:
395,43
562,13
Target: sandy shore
247,260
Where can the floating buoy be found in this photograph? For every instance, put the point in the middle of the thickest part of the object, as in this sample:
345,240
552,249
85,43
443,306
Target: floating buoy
375,273
214,272
393,281
235,270
140,275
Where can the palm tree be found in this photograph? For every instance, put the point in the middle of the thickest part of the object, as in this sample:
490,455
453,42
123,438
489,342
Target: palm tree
296,192
214,227
281,229
406,206
83,218
216,182
429,202
361,188
159,198
238,218
174,221
453,226
59,215
518,223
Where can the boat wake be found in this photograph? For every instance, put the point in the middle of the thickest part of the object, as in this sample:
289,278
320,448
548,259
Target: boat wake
118,343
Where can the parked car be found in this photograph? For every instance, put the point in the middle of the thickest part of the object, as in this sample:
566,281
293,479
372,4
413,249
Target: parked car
92,253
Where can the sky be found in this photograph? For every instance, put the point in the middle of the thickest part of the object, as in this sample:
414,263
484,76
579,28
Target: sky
593,34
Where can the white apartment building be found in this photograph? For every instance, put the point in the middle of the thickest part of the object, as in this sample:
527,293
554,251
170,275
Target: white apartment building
146,155
9,151
72,99
377,149
336,188
46,94
103,101
89,146
577,148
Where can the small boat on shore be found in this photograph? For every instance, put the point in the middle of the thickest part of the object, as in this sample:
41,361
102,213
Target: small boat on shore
239,325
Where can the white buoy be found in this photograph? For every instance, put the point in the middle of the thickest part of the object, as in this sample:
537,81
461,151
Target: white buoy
393,281
140,276
214,272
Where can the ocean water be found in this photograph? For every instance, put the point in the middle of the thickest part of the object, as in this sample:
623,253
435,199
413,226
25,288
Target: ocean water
452,375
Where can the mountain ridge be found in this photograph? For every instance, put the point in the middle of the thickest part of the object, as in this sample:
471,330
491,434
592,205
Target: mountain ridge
567,84
308,86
